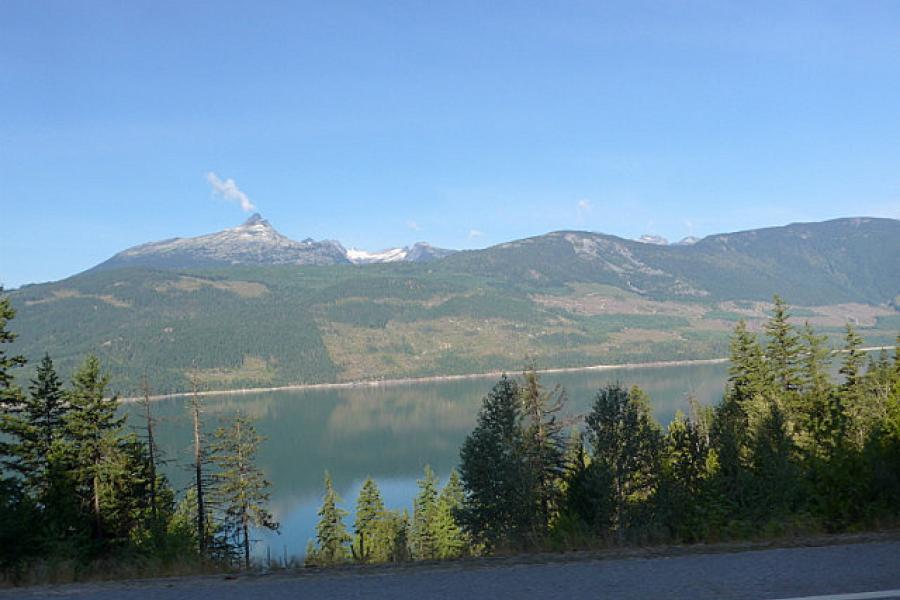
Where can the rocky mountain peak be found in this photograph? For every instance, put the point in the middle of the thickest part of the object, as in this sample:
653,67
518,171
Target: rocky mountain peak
256,219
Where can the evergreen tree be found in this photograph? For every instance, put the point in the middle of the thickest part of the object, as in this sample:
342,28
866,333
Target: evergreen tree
392,538
626,442
686,471
95,431
129,514
748,373
18,515
817,390
331,535
587,503
783,349
746,400
544,445
424,543
242,488
11,396
450,540
369,511
853,389
493,472
772,466
44,414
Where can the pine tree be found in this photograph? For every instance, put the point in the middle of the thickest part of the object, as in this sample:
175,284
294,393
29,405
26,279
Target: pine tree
816,389
450,540
587,507
750,385
686,472
392,537
748,373
18,515
331,534
424,543
496,509
626,442
95,432
772,466
783,348
369,511
44,413
241,485
11,396
544,445
853,389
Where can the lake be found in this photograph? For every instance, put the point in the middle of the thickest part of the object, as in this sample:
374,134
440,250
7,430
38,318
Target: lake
387,432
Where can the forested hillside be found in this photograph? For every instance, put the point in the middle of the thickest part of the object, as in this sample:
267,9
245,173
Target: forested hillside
565,299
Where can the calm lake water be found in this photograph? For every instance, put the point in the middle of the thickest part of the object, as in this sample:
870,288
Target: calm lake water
389,433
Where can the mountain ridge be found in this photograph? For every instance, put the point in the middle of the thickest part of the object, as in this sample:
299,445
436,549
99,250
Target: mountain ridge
565,298
257,242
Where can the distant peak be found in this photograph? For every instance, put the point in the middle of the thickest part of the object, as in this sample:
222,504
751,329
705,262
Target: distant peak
255,219
657,240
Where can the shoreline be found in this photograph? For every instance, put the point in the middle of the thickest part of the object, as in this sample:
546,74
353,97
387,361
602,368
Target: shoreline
399,381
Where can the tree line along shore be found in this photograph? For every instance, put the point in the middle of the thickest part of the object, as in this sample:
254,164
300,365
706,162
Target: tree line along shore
789,449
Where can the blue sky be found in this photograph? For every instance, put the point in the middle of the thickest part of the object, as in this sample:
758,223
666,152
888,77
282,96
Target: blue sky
461,123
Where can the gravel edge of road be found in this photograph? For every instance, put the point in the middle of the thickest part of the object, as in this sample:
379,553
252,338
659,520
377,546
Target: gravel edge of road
481,563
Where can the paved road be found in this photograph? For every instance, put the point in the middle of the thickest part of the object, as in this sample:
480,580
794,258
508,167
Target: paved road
765,574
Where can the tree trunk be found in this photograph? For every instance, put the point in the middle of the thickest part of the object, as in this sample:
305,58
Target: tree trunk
151,447
246,541
98,525
198,468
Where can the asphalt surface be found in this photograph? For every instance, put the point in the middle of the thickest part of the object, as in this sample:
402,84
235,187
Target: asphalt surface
852,571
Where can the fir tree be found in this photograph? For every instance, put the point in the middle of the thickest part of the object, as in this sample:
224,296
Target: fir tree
18,515
852,390
544,445
424,544
686,471
814,410
11,397
783,348
331,535
95,431
392,537
492,468
748,373
45,412
587,507
369,511
450,540
242,488
772,465
626,442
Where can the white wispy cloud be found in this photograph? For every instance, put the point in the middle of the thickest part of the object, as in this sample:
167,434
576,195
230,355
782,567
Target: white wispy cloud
474,233
582,209
229,190
413,225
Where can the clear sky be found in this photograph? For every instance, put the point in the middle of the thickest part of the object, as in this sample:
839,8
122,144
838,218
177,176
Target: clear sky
461,123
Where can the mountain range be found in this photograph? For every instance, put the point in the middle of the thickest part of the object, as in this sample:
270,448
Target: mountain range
256,242
248,307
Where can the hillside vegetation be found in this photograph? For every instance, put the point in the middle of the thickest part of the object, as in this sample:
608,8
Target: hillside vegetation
565,299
